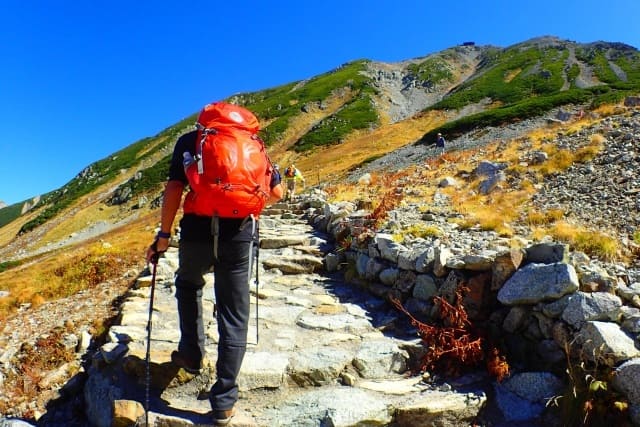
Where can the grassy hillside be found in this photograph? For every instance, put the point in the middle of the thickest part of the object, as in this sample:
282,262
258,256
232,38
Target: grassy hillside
334,121
528,80
279,106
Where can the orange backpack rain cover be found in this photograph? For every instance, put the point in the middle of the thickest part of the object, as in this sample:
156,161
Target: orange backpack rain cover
231,177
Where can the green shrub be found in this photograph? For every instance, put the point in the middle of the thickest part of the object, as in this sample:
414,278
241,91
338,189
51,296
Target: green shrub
9,213
572,75
499,116
537,72
432,71
279,105
150,178
8,264
358,114
100,172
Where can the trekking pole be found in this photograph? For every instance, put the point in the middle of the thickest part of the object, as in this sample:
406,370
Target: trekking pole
253,233
257,282
154,261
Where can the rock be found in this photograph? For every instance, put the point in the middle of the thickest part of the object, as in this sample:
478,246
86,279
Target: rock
380,359
583,307
263,370
515,408
436,408
534,386
335,406
539,282
6,422
318,367
441,256
425,287
605,343
504,266
283,242
627,381
126,413
632,101
294,264
547,253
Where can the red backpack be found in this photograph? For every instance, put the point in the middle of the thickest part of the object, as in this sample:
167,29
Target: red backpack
232,173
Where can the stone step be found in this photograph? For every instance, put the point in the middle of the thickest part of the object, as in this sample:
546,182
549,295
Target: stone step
314,354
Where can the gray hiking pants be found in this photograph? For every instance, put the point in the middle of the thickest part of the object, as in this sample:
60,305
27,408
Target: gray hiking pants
231,288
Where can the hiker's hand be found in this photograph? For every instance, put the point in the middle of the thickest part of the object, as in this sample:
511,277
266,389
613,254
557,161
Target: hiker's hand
157,248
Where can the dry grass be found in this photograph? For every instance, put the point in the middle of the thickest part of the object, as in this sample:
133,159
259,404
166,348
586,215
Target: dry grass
64,272
91,214
329,164
27,382
505,207
282,152
418,230
536,218
512,75
580,238
9,231
493,212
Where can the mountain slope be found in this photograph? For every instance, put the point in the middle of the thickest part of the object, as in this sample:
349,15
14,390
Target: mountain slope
336,121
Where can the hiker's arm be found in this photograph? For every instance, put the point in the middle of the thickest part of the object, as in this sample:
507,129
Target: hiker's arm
170,204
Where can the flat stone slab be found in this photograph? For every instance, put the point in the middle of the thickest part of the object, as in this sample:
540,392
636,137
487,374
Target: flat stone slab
263,370
330,406
399,387
336,322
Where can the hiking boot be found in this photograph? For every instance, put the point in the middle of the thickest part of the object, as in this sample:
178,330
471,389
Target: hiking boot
223,418
189,365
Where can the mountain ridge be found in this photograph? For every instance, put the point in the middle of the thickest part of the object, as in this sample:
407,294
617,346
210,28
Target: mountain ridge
453,91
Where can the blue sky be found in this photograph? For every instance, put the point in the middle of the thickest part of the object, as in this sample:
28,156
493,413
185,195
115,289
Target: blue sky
80,80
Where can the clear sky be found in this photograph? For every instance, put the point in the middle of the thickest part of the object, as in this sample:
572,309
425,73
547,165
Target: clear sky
80,80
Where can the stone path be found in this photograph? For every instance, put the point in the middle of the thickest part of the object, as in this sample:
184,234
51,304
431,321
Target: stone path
326,355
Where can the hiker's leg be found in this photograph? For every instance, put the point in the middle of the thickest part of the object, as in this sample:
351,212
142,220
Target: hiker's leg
195,259
232,302
291,186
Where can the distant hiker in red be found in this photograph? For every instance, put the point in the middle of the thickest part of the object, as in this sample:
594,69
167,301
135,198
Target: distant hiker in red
219,228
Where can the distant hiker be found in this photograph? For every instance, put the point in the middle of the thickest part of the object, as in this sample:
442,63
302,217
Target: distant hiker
440,142
219,229
292,175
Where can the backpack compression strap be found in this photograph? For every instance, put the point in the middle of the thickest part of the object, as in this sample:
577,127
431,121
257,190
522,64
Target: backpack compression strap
203,132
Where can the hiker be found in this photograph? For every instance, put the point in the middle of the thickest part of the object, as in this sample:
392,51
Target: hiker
440,143
292,175
211,237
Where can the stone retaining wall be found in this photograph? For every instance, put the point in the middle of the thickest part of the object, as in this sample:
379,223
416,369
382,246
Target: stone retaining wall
541,300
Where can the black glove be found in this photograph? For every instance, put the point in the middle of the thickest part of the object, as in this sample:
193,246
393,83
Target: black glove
156,254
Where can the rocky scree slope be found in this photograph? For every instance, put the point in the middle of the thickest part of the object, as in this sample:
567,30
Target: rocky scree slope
602,194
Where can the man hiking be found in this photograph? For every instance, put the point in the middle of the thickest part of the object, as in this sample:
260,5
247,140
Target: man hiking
440,142
218,229
292,175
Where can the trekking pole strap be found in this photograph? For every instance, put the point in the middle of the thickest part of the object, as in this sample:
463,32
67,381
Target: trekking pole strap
254,238
215,232
254,229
